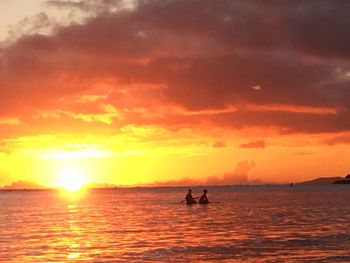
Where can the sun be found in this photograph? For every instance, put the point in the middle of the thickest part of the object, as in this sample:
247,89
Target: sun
71,180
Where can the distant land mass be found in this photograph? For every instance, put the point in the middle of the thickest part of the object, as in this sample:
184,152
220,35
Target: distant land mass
26,185
328,180
100,185
22,185
345,180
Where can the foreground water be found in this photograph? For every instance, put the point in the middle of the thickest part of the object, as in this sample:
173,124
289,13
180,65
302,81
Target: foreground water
250,224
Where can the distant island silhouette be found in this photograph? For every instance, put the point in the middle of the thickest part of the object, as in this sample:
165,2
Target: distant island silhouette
328,180
345,180
22,185
25,185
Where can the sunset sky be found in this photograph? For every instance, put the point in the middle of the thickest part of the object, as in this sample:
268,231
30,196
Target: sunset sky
174,92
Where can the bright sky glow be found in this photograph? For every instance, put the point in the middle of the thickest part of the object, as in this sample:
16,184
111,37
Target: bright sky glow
173,92
71,179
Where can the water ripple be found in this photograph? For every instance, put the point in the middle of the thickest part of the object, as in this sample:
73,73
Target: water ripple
249,225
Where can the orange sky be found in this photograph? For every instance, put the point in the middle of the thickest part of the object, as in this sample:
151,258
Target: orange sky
174,92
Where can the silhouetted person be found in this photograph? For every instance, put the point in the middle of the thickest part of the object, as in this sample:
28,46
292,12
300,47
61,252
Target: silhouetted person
189,198
204,199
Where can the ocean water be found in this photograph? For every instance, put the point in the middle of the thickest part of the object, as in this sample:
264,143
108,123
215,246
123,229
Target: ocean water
250,224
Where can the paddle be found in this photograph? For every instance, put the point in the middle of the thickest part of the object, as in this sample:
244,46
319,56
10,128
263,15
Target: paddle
215,202
185,200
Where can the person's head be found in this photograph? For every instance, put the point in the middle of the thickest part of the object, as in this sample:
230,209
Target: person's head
205,191
189,190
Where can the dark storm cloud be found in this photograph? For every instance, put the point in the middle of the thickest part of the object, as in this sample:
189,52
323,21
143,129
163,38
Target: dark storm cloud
212,83
95,6
287,122
206,55
315,27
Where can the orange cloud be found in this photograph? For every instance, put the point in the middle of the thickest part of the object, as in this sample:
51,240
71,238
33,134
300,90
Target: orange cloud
338,139
238,176
254,144
219,144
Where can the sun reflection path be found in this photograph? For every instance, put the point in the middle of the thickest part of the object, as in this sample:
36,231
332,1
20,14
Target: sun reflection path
75,231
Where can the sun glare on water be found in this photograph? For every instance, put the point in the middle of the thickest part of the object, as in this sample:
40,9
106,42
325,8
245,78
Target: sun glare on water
71,180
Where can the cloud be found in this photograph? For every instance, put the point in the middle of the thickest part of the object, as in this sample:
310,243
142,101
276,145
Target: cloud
90,6
238,176
181,182
5,148
219,144
254,144
232,64
31,25
339,139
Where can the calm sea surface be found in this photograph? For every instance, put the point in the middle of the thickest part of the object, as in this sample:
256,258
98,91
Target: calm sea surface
250,224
